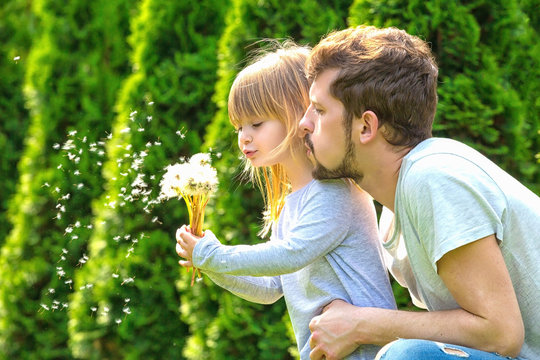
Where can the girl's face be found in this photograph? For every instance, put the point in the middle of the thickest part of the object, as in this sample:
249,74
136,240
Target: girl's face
257,138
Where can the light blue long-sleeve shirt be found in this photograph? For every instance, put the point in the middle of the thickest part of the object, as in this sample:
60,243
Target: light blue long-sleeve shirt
324,247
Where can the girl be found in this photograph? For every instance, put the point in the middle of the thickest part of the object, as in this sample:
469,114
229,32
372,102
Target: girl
323,243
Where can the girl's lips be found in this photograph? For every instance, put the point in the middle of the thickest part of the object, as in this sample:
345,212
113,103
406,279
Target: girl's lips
249,153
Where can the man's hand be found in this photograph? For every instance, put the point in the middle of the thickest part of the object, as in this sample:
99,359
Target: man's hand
333,332
185,243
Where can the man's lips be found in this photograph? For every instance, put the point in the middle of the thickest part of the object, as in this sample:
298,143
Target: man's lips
308,144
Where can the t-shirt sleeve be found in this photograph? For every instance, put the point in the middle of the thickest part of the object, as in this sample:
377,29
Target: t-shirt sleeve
321,226
451,202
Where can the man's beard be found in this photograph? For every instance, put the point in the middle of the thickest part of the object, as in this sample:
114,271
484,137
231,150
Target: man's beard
345,170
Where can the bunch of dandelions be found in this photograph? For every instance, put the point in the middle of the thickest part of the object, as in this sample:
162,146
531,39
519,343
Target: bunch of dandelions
194,181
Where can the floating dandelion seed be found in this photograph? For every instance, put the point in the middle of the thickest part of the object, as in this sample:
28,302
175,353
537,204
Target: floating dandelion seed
128,280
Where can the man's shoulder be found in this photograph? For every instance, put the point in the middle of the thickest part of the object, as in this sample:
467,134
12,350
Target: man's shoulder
440,157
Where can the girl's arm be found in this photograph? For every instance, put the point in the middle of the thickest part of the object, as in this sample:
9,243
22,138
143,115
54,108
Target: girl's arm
261,290
322,224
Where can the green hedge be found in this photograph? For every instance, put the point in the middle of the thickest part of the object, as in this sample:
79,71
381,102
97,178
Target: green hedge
72,69
132,309
16,30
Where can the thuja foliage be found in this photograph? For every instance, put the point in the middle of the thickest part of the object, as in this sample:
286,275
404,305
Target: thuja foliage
131,309
16,30
222,325
68,85
488,54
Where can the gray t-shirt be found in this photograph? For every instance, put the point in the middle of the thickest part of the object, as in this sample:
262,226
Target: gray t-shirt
449,195
324,247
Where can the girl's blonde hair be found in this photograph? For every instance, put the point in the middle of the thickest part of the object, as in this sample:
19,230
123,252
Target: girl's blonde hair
274,86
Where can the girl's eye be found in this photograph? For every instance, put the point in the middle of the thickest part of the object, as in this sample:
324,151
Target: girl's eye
257,124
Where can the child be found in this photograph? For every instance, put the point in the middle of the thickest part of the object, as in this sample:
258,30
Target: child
323,243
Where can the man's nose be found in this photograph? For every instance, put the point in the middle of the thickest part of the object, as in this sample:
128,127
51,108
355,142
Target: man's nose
305,124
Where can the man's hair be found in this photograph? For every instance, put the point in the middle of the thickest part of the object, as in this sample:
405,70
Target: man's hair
273,86
386,71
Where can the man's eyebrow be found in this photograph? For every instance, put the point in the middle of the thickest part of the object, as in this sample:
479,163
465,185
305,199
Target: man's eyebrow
314,102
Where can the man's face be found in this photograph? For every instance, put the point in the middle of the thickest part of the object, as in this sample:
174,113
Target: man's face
329,145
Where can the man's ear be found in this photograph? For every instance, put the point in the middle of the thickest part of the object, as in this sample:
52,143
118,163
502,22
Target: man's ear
367,127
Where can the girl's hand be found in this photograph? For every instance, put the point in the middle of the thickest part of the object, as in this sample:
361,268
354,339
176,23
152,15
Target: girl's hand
185,243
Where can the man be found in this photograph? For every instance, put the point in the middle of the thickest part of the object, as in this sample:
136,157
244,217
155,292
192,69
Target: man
460,233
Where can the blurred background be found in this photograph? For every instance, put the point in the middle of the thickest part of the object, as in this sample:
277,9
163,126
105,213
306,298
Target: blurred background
97,97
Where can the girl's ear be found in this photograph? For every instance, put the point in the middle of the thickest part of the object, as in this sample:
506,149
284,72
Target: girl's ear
366,127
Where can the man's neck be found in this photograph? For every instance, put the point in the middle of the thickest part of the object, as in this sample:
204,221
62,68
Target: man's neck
381,180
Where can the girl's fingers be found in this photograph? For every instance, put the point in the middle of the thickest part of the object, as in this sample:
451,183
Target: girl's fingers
185,263
181,252
181,230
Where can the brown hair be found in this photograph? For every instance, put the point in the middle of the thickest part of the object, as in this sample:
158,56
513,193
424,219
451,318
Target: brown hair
386,71
274,86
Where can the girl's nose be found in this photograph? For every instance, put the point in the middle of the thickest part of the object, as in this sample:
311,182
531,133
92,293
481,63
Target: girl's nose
244,137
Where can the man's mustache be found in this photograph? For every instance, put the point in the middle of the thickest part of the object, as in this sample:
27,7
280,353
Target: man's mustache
309,143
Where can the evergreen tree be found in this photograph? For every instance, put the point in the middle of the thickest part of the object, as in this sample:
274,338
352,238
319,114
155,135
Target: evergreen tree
16,29
488,56
131,309
222,325
72,72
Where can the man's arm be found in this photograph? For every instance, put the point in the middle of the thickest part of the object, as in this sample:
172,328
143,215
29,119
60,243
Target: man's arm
477,277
